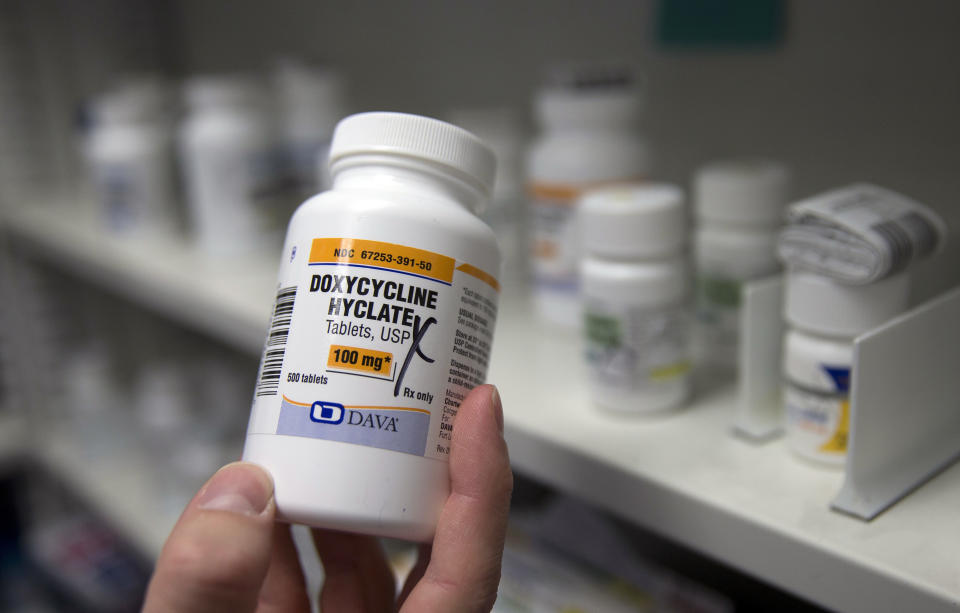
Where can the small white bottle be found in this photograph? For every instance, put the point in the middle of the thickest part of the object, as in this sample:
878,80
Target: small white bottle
312,101
231,168
635,283
130,156
386,304
739,211
825,317
589,138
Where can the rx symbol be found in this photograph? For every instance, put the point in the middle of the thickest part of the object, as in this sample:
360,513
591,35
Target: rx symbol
418,332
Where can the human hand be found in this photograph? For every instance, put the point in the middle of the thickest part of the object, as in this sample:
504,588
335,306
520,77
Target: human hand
226,553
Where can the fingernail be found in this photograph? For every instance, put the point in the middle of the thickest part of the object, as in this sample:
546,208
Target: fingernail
240,487
497,407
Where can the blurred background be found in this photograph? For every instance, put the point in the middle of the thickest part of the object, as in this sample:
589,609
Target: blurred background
120,396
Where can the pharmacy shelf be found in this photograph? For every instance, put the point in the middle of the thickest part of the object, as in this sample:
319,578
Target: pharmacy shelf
12,436
684,476
120,486
228,299
751,506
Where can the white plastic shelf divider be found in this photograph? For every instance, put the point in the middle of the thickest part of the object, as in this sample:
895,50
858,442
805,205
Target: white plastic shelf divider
759,414
904,420
683,476
751,506
227,299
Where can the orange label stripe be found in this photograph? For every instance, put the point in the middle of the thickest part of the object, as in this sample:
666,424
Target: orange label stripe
544,191
360,359
408,260
294,402
362,406
378,254
565,194
486,277
385,408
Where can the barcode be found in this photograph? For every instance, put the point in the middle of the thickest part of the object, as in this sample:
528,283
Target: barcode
268,383
897,239
922,232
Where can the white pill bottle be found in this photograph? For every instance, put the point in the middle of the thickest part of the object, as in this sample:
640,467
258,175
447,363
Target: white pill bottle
739,207
312,101
130,153
635,284
590,137
824,318
386,305
231,169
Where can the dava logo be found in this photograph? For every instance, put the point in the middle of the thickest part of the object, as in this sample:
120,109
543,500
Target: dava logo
331,413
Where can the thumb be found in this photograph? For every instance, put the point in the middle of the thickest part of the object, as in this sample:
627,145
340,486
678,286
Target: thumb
217,555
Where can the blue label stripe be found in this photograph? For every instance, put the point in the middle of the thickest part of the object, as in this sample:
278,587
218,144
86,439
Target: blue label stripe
565,285
396,429
840,376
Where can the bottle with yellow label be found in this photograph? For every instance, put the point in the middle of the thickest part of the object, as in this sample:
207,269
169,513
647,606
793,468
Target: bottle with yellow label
383,321
826,317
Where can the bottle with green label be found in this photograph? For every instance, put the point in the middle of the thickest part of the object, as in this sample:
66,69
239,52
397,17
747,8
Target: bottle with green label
635,283
738,206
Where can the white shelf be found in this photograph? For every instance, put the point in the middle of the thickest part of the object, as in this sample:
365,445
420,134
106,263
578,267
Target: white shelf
122,487
228,299
751,506
12,436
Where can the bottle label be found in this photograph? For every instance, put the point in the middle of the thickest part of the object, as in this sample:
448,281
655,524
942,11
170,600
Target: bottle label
375,344
860,233
121,190
554,245
818,422
718,314
636,348
238,200
268,190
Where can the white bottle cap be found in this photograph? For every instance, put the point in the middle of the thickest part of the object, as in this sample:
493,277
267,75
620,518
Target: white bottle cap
139,98
422,138
115,107
741,191
821,305
634,221
224,90
589,96
313,98
309,85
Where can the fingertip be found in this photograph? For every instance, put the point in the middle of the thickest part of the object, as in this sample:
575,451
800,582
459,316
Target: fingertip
497,406
482,401
240,487
479,458
464,566
217,555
